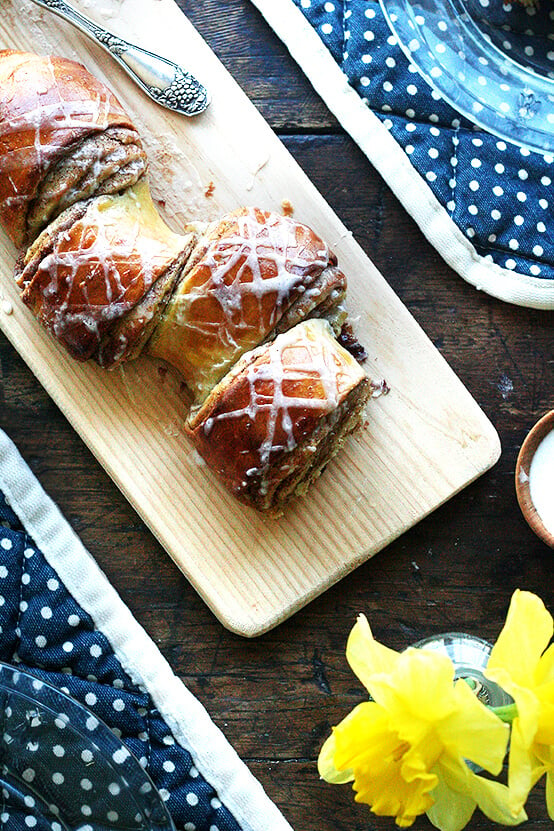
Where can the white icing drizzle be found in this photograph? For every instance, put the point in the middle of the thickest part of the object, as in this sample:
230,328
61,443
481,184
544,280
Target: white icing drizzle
541,481
267,258
103,267
90,263
308,353
54,117
46,120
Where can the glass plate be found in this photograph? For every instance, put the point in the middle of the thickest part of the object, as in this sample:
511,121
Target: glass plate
493,69
64,770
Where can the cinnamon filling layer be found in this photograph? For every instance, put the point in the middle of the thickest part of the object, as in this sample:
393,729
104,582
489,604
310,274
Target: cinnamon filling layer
103,163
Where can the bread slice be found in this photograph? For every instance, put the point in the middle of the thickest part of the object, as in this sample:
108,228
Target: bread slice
98,276
276,419
49,105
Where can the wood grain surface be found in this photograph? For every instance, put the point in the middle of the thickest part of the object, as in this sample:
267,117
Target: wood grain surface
276,696
420,444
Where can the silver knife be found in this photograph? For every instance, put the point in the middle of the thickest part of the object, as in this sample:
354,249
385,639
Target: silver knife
166,82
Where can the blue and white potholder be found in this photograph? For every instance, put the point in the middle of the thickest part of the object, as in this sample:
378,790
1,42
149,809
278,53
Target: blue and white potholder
63,622
486,205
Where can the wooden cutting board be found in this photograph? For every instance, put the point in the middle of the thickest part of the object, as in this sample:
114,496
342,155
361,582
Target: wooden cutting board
423,441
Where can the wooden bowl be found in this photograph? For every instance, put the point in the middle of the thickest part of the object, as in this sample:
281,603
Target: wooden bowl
523,466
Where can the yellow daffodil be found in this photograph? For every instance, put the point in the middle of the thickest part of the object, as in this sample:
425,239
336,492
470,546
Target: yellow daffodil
406,749
523,665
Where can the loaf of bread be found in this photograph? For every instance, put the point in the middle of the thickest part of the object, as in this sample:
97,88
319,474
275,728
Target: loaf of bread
247,309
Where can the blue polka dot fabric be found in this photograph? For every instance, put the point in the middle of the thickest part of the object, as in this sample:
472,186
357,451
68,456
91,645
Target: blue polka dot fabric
498,194
44,631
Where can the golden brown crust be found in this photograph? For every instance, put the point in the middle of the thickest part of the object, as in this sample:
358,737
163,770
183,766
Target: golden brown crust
252,274
47,105
272,423
90,269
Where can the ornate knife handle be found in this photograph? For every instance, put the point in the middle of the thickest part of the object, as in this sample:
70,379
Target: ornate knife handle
164,81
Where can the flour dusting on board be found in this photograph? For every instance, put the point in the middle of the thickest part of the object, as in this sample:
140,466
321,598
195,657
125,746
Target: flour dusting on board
175,182
108,10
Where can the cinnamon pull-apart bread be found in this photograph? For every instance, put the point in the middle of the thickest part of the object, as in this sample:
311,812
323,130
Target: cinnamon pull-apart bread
248,308
98,276
252,275
63,137
276,419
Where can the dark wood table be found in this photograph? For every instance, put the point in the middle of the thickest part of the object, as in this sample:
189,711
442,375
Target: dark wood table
275,697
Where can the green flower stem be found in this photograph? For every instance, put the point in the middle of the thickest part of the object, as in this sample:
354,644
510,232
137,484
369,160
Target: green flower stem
506,713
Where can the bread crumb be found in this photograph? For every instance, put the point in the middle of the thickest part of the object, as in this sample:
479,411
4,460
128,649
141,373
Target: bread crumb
171,429
197,459
209,190
287,207
379,388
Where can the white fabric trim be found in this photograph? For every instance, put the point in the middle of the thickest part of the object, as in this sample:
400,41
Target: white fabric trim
394,166
190,723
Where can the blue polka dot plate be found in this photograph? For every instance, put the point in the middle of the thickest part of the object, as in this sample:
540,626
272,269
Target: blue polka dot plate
62,769
492,61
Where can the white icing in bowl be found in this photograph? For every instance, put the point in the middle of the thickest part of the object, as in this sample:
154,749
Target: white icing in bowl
541,481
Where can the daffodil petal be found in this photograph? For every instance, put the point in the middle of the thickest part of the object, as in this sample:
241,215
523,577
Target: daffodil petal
388,775
523,639
474,732
364,738
527,703
326,766
420,685
528,708
550,794
426,673
523,768
545,668
545,731
389,794
492,798
451,810
366,656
